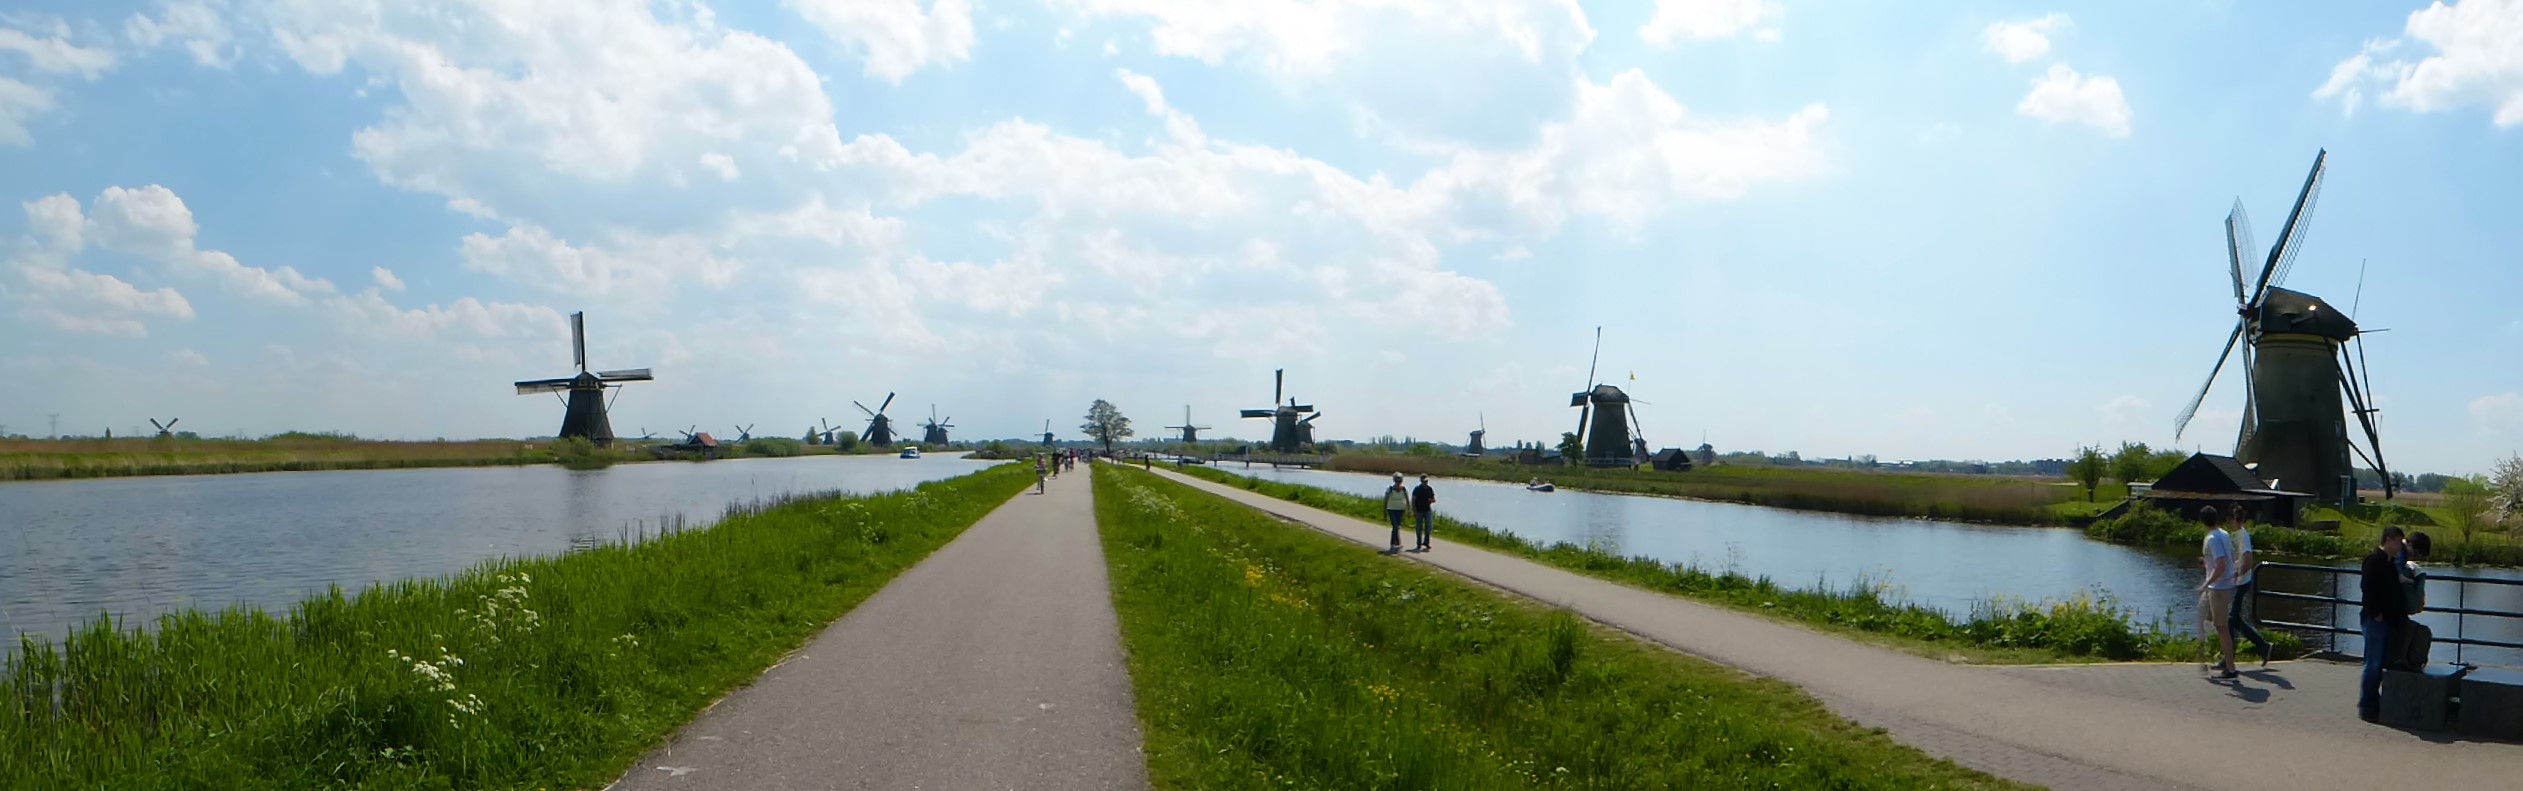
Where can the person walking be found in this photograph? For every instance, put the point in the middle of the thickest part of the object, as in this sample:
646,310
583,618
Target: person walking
2384,608
1423,506
2216,552
2237,616
1396,501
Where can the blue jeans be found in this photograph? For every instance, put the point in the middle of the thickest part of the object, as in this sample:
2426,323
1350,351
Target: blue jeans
2378,639
1396,516
1427,520
2242,627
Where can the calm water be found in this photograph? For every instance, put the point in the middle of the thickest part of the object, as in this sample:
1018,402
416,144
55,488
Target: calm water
137,547
1950,566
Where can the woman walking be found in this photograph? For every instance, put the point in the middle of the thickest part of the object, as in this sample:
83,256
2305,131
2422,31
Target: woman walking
1396,503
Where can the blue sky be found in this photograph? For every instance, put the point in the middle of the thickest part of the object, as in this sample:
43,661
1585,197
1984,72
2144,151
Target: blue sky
1979,231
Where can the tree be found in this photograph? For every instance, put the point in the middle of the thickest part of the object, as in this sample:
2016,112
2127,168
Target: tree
1571,447
2087,469
1105,423
2129,465
2505,491
845,441
812,437
2467,503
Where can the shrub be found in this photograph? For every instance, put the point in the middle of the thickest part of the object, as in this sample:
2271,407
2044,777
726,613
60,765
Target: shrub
774,446
578,453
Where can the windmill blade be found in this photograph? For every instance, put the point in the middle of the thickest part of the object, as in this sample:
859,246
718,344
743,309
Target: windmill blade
2291,238
578,338
1250,413
170,422
2238,245
2372,418
1635,429
541,386
863,408
1309,419
2183,421
1293,406
889,401
1278,385
2251,400
1596,359
626,375
153,423
2359,301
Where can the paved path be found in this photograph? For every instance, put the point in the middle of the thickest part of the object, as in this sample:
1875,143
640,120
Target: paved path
2149,726
995,663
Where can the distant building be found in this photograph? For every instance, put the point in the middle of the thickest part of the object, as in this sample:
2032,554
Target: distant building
2222,482
1672,460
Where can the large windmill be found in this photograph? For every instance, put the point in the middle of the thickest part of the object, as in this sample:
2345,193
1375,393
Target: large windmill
880,429
1610,414
1287,433
1476,449
934,431
1191,433
2295,368
585,415
1046,432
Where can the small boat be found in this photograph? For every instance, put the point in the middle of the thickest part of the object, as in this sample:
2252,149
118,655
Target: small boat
911,452
1538,486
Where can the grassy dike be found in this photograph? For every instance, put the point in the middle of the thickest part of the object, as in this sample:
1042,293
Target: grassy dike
1267,656
546,672
1961,498
2003,632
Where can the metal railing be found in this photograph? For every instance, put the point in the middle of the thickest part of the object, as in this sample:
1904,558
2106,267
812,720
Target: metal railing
2460,610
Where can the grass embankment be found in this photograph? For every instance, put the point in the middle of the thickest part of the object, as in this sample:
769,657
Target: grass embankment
1268,656
2085,628
1972,498
551,672
2359,531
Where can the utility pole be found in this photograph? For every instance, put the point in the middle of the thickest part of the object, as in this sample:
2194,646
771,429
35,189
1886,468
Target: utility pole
55,419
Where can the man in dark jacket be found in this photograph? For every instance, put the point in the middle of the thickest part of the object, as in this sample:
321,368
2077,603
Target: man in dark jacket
1423,505
2385,609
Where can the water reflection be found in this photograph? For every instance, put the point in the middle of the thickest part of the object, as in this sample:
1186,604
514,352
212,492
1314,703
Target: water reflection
137,547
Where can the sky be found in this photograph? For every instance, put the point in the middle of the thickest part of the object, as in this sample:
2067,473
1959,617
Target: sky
1973,231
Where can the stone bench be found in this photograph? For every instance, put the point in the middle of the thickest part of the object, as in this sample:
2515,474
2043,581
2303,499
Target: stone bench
2492,705
2421,700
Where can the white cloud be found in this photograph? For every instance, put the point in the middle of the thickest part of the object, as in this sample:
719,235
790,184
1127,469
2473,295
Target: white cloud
385,278
2063,96
1676,20
1629,150
56,55
2501,413
19,103
896,37
633,266
153,223
1513,254
2126,412
75,300
2022,41
198,25
2478,60
57,221
187,358
498,96
722,165
1308,38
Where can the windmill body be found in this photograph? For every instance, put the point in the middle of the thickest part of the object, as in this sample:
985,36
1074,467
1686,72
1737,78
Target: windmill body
1046,432
1606,420
2300,383
584,416
880,429
1291,424
1475,448
934,431
1190,433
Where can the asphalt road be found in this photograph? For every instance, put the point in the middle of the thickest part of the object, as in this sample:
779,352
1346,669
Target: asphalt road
994,664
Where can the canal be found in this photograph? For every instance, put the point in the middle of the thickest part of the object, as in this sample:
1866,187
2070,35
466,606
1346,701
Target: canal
138,547
1950,566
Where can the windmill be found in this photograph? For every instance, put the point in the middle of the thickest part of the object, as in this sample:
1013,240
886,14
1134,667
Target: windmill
165,430
1608,410
1288,434
880,429
1046,432
2296,366
1475,449
935,429
827,430
585,415
1191,433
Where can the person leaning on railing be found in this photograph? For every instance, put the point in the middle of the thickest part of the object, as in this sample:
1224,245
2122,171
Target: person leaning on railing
2384,610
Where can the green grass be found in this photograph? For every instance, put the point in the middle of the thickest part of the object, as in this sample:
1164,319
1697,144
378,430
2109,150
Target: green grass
1967,498
1269,656
549,672
2358,532
2010,631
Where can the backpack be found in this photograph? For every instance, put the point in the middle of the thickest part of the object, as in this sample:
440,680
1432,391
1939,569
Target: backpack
2408,647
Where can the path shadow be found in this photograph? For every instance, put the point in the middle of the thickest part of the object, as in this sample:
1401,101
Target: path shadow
2236,688
2269,676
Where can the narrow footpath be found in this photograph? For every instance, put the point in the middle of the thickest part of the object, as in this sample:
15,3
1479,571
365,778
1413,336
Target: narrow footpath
2291,727
995,663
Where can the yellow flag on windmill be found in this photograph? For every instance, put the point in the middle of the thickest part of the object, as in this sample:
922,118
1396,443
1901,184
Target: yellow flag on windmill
1633,376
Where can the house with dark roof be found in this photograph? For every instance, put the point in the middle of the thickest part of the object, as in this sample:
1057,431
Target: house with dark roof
2224,483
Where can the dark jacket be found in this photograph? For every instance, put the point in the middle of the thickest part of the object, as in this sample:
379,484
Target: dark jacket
1423,498
2380,588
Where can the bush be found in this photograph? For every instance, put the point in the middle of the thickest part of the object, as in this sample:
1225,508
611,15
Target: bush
578,453
2146,526
774,446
